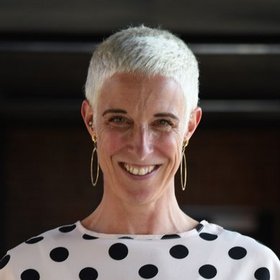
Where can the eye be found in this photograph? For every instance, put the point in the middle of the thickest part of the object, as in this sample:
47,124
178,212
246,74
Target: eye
163,124
119,121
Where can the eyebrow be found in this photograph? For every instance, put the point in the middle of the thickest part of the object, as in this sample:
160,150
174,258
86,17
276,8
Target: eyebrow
114,111
170,115
121,111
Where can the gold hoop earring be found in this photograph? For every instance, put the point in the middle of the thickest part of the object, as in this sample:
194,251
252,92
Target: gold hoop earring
94,181
183,170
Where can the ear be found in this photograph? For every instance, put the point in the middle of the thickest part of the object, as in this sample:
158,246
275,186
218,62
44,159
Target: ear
87,114
193,122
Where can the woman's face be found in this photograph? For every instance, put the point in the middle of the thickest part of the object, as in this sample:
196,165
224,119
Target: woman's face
140,128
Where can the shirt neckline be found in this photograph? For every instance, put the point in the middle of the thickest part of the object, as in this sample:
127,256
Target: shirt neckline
193,232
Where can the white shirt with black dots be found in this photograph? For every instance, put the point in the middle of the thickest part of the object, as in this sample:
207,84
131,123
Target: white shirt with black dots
207,252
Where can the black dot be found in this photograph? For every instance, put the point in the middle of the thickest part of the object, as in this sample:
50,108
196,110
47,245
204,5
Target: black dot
89,237
125,237
262,274
148,271
237,253
179,251
208,236
67,228
59,254
118,251
207,271
199,227
30,274
170,236
34,240
4,261
88,273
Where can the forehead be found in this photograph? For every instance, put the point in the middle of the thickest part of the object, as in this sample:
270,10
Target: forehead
141,92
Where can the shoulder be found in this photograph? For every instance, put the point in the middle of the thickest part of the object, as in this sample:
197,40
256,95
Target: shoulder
235,241
237,248
48,239
33,251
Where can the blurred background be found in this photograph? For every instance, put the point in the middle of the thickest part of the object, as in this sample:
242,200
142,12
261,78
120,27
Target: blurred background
234,157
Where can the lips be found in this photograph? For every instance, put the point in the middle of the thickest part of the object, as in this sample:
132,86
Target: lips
139,171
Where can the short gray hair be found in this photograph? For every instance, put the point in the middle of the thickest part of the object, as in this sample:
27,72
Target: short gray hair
148,51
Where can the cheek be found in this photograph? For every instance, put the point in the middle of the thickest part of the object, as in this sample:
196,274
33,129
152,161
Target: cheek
110,142
170,147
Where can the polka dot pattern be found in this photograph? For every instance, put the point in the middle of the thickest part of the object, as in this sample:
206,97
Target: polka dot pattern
59,254
199,227
88,273
66,229
207,271
89,237
171,236
125,237
237,253
179,251
4,261
208,236
30,274
118,251
34,240
262,273
143,257
148,271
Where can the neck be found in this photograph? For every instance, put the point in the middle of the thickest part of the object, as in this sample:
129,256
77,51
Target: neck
162,216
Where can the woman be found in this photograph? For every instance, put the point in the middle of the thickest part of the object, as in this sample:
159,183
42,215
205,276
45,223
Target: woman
140,111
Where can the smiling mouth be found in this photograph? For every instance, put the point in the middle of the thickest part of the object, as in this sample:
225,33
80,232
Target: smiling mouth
139,171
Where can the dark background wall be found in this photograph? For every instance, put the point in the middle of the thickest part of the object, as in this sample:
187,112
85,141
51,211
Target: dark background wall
234,158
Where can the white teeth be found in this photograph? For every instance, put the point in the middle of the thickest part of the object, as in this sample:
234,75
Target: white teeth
139,170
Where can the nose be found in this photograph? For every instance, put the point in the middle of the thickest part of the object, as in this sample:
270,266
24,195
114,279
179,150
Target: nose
141,142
